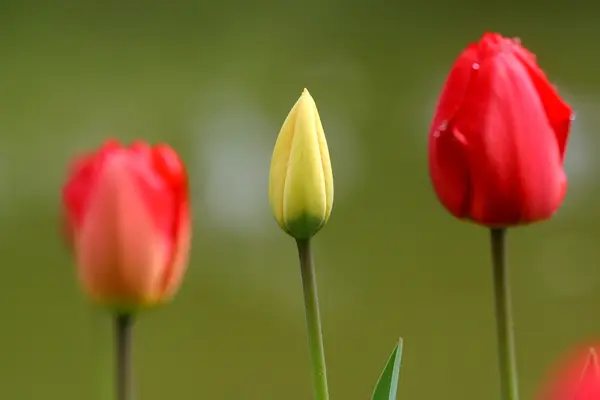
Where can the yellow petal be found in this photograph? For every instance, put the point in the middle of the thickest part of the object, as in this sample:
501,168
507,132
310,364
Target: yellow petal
279,165
326,164
301,180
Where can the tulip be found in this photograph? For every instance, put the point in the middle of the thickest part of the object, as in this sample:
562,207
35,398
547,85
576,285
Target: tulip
301,180
498,137
575,378
127,220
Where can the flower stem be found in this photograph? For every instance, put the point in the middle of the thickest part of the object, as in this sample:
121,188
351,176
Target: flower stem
504,320
313,321
123,339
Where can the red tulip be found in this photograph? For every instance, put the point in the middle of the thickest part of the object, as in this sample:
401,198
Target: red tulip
127,219
578,378
498,137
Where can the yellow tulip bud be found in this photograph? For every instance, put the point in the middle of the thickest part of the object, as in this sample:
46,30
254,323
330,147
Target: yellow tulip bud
301,180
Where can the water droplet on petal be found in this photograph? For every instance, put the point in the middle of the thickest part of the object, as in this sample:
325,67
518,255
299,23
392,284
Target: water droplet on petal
443,126
572,117
475,66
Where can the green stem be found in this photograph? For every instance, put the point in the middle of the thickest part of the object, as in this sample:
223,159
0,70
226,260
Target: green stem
504,320
123,339
313,321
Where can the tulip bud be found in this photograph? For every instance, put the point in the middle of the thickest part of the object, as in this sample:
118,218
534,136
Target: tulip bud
301,180
127,221
576,378
498,137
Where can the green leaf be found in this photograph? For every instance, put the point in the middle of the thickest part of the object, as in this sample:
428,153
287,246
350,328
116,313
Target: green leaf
387,385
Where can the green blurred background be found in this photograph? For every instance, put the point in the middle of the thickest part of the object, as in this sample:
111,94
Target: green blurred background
216,81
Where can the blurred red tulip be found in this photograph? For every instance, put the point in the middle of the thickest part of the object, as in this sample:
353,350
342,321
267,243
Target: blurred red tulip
498,137
576,378
127,219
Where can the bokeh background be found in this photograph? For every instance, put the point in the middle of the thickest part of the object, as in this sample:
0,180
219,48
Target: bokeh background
216,80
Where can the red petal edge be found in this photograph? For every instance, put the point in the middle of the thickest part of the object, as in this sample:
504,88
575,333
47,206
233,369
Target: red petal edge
169,165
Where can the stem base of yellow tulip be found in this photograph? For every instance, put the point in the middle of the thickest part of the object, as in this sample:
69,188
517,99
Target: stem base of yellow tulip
313,321
123,345
504,320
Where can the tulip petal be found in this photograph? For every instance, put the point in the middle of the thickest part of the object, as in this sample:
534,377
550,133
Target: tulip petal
558,112
449,171
141,149
76,192
448,162
178,258
279,164
577,377
305,199
126,217
157,196
498,137
455,88
325,163
109,146
588,386
517,174
170,167
119,249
